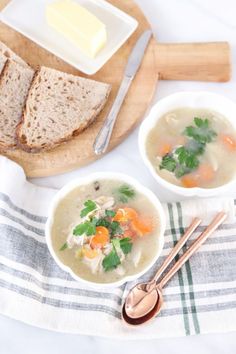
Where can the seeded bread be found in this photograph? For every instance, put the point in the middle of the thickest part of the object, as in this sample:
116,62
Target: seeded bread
58,107
15,81
8,53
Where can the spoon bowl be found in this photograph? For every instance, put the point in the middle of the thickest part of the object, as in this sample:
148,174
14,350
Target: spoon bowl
155,295
141,299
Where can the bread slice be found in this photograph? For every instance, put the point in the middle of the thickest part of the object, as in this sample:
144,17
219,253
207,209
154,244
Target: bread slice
58,107
8,53
3,61
15,81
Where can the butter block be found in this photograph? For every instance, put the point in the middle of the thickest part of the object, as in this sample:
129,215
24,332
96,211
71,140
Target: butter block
78,25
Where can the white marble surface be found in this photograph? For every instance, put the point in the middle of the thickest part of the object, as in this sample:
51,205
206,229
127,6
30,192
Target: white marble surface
172,21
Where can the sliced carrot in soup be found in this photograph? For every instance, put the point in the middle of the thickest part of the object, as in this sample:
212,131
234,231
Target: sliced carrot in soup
206,173
163,149
143,226
125,214
189,181
228,141
101,238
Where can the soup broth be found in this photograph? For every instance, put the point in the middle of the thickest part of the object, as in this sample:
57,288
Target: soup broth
135,240
193,148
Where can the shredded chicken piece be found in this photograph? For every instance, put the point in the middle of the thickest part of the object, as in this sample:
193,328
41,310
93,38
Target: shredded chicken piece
105,202
95,264
135,254
120,270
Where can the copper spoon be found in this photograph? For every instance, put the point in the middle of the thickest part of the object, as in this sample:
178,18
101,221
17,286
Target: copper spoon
153,301
135,299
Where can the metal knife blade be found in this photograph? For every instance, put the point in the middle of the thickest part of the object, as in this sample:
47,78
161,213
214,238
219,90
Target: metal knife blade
103,138
137,53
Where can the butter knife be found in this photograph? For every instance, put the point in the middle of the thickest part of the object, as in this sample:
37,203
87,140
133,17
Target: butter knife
103,138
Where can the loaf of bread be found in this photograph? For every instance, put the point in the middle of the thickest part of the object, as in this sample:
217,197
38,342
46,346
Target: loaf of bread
15,80
58,107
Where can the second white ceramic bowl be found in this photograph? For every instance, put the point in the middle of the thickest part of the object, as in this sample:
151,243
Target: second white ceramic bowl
200,99
96,177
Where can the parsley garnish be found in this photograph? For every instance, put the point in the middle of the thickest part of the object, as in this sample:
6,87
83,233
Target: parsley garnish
110,213
185,159
125,192
89,206
115,228
111,261
88,228
168,163
126,245
201,132
63,247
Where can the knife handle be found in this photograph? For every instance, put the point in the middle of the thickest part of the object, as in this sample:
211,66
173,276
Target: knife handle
193,61
103,138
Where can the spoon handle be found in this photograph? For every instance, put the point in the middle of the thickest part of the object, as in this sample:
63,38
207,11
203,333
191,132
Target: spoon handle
192,227
220,217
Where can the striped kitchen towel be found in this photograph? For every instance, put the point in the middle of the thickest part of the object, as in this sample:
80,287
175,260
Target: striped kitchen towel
201,298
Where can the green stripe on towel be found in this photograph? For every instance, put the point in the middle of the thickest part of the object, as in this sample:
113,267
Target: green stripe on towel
189,273
180,275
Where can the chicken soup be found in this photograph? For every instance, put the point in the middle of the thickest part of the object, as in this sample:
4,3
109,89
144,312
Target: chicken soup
105,230
193,148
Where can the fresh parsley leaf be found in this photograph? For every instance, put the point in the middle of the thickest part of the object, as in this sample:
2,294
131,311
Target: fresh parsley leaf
181,170
116,244
201,123
110,213
115,228
187,158
202,133
125,192
195,147
91,229
80,229
111,261
88,228
103,222
89,206
63,247
126,245
168,163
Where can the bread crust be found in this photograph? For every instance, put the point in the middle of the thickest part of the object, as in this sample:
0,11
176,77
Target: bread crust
4,147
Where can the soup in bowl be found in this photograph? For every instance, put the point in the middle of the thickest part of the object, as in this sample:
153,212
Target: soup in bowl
189,143
105,229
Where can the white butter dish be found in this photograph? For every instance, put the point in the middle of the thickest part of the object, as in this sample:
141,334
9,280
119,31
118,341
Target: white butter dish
29,18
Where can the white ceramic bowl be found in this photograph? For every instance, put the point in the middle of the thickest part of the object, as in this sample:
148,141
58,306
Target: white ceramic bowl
95,177
199,99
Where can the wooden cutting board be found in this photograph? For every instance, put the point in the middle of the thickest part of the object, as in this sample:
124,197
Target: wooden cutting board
207,62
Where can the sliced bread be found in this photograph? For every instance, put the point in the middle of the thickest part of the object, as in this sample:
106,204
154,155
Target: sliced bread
3,61
15,81
8,53
58,107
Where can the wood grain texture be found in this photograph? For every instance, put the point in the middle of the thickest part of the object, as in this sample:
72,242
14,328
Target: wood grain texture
166,61
193,61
